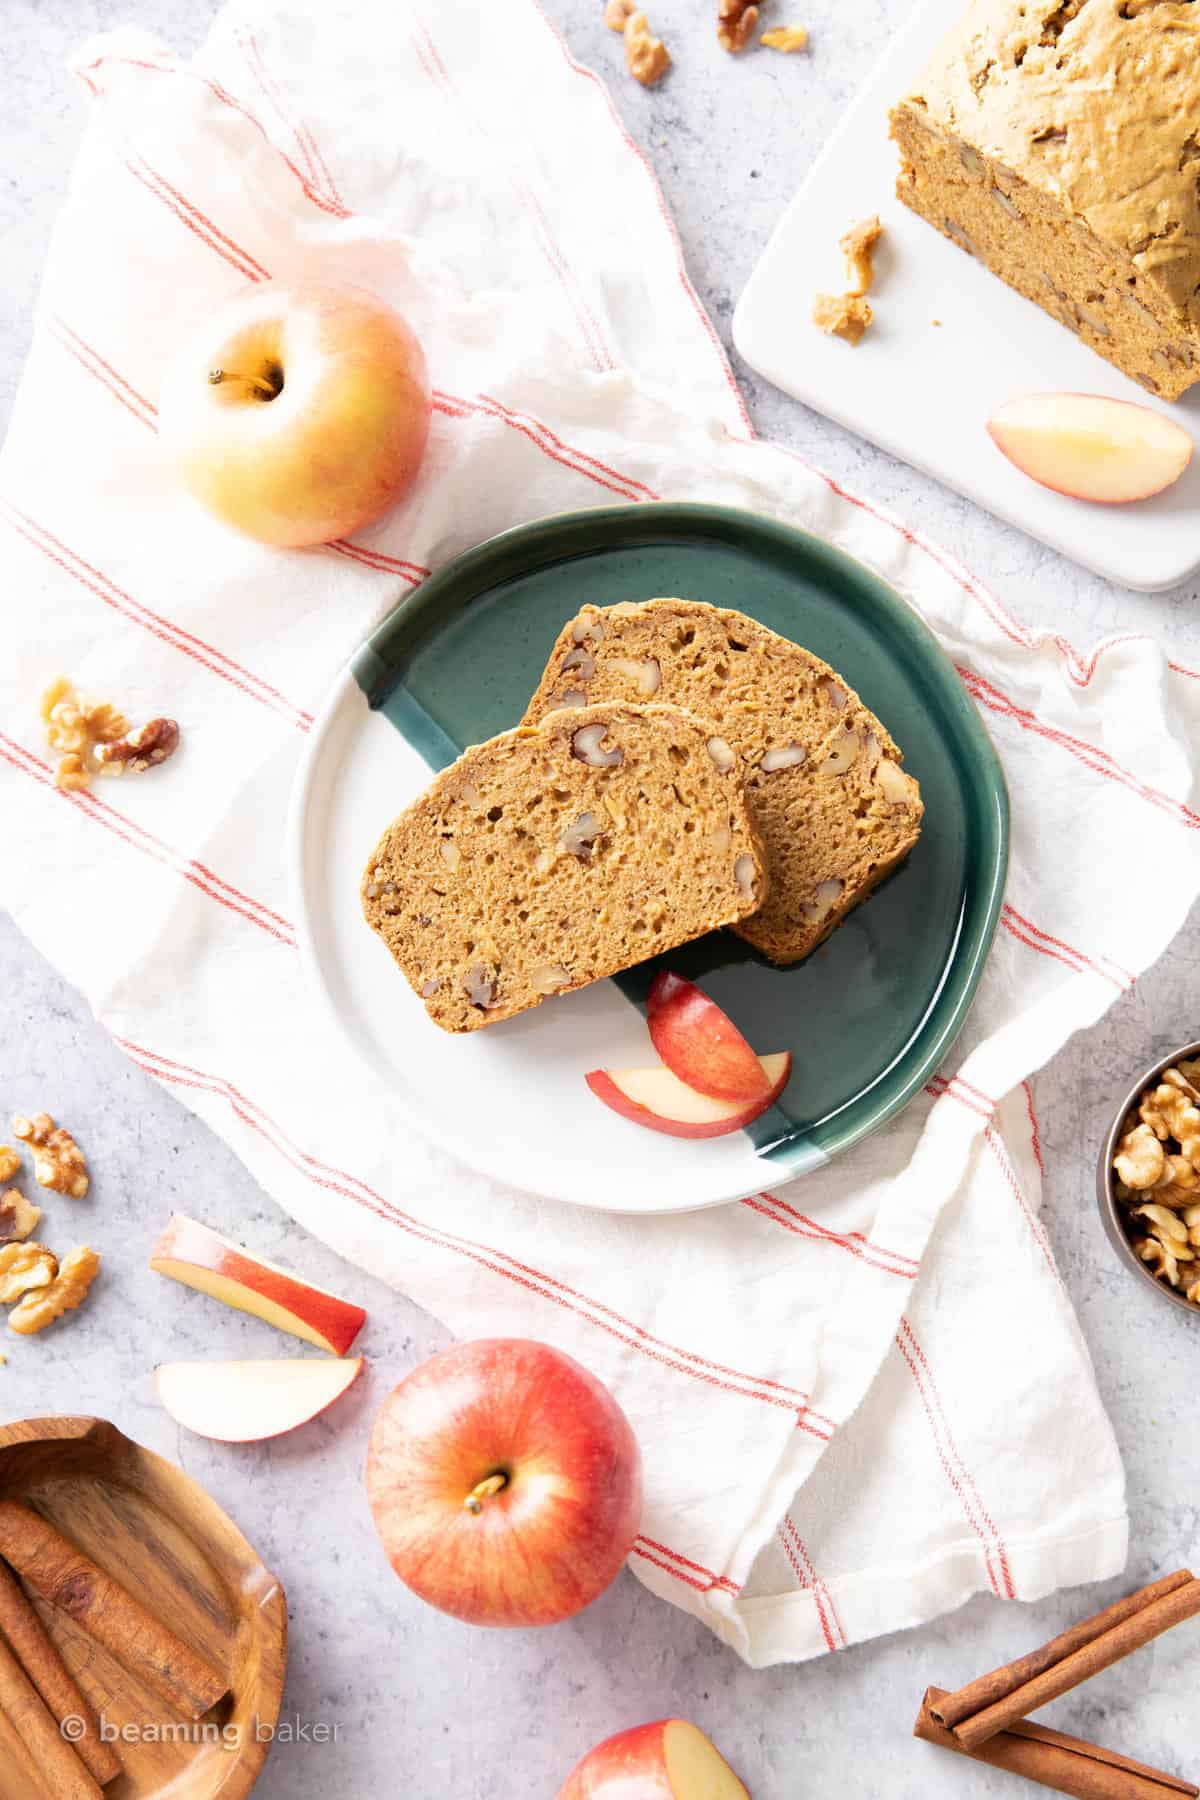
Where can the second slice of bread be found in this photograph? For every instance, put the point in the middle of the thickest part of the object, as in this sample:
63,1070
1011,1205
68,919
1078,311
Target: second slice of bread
823,778
551,856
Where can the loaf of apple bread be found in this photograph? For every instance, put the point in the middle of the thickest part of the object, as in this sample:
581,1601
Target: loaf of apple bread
553,855
1059,142
823,778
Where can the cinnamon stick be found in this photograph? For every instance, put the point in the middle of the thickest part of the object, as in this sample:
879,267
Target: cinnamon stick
1067,1765
997,1685
63,1774
61,1574
1112,1646
50,1676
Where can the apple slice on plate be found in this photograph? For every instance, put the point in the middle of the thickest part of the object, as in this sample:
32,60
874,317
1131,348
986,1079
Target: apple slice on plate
669,1760
700,1043
189,1252
242,1402
1090,447
657,1099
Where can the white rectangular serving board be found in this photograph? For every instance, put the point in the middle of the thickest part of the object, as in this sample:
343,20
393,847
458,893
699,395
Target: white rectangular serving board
922,391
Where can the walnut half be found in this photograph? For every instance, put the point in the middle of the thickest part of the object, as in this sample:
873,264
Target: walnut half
58,1162
68,1290
647,56
19,1217
736,22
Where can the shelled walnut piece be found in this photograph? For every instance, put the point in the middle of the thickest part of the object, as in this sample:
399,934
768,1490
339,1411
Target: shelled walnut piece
93,737
69,1289
58,1162
24,1267
788,38
647,56
1157,1171
19,1217
736,23
10,1162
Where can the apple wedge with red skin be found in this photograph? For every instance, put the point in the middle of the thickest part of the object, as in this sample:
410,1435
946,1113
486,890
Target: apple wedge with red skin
1090,447
700,1043
668,1760
244,1402
191,1253
505,1483
657,1099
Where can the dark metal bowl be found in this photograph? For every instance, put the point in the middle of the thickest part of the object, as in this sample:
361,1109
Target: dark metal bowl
1110,1209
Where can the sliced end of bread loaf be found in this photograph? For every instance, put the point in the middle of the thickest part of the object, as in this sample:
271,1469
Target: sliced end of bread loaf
823,777
553,855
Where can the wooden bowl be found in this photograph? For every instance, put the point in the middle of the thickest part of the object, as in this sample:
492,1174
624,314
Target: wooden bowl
154,1530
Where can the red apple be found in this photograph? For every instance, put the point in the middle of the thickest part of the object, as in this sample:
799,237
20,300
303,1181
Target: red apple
1090,447
700,1043
242,1402
658,1099
298,414
189,1252
505,1482
669,1760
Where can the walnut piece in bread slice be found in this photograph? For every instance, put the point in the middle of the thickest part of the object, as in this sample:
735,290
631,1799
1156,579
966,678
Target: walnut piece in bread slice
835,810
556,854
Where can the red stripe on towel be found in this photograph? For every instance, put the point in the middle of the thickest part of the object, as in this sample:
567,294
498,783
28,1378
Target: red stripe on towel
138,838
216,661
604,1318
952,1462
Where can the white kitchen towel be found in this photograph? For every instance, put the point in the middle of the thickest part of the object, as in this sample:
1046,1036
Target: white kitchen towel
861,1398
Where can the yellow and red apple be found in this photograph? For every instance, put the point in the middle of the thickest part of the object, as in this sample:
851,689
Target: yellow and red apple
244,1402
1091,447
668,1760
199,1258
505,1483
298,413
657,1099
700,1043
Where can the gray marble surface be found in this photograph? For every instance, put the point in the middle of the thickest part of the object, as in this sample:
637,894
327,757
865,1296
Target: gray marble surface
421,1705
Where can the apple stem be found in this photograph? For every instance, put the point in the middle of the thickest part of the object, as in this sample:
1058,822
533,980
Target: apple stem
475,1499
266,390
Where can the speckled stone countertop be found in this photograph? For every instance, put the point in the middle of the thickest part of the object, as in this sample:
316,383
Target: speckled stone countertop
413,1703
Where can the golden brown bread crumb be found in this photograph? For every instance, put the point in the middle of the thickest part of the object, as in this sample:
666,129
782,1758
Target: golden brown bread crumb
857,245
842,315
1058,142
551,856
835,810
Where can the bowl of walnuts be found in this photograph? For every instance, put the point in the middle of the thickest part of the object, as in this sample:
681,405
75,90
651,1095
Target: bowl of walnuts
1148,1178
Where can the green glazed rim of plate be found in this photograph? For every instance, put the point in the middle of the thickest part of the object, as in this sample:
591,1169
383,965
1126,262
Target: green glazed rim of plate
561,537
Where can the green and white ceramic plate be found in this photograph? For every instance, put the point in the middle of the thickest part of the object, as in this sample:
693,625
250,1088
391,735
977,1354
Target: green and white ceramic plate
867,1018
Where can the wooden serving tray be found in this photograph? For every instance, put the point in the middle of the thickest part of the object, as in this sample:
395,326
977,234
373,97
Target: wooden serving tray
153,1529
